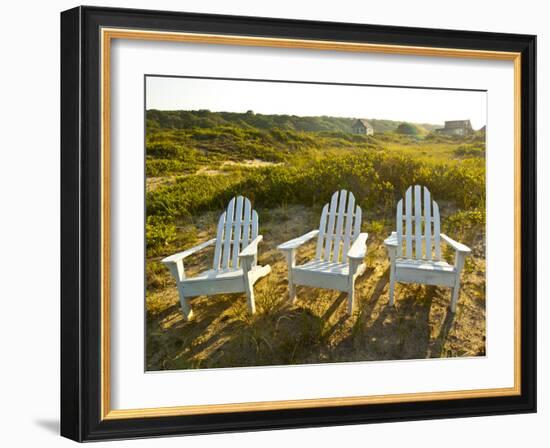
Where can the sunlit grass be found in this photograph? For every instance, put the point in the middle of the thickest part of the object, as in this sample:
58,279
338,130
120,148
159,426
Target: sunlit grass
295,175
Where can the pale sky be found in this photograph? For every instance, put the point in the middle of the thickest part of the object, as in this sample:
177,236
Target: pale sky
390,103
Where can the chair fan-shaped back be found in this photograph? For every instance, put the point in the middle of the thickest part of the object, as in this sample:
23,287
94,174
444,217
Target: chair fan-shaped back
339,227
418,226
237,227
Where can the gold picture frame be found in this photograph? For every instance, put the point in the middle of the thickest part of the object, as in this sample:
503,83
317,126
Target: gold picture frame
109,31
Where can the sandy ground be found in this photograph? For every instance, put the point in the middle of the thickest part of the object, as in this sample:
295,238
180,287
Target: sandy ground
156,182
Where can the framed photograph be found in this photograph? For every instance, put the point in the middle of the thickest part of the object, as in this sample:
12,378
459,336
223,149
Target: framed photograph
272,223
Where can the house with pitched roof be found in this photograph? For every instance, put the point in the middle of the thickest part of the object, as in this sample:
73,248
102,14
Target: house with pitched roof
362,126
456,127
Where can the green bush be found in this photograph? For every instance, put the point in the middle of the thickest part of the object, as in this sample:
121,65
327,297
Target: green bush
163,167
471,150
160,232
310,167
408,129
377,180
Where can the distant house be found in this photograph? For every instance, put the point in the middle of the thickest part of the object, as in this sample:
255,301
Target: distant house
456,127
362,127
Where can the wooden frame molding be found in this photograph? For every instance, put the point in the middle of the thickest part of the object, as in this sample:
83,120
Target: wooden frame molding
107,37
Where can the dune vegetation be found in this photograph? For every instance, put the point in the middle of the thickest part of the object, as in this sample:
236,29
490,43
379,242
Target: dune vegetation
289,167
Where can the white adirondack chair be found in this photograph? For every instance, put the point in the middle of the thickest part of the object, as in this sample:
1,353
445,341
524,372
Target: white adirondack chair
341,248
235,266
423,264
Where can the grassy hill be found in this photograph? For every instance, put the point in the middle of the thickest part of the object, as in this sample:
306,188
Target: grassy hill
182,119
182,142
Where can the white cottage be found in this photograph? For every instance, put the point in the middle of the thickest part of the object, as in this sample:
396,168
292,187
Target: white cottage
362,126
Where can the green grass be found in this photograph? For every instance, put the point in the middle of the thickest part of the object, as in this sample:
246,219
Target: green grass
197,161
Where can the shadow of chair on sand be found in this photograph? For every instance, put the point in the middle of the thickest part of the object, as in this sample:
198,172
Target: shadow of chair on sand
400,332
176,338
340,300
435,349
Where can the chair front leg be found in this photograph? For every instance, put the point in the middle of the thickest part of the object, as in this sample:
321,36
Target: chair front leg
178,272
391,252
459,264
185,307
291,260
247,263
353,268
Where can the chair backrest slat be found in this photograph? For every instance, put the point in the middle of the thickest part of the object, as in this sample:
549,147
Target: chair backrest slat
237,230
226,253
246,223
219,242
237,227
408,229
330,226
339,226
428,223
254,231
436,238
420,208
348,237
357,223
417,223
322,234
400,228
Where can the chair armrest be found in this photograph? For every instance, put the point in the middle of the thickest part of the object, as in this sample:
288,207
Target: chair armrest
459,247
181,255
358,249
391,241
252,249
297,242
